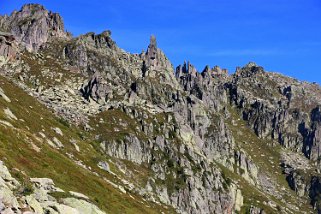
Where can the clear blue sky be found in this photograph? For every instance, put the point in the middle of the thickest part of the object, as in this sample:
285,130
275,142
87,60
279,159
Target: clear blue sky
280,35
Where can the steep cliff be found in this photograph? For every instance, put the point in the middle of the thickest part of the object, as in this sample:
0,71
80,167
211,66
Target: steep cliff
163,140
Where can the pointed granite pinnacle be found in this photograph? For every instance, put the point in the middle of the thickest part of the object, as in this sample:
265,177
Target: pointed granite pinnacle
152,50
153,42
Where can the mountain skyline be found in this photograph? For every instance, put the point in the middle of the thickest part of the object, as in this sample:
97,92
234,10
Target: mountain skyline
282,36
86,127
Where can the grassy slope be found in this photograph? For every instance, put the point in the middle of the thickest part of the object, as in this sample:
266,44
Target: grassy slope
267,158
18,154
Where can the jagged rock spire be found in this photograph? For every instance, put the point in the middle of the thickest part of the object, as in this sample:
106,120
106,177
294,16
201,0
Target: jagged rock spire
152,50
154,58
153,42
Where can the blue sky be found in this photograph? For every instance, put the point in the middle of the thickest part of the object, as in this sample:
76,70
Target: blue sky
280,35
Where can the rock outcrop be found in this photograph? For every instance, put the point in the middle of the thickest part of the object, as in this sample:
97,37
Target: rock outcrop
275,111
194,141
8,47
155,59
33,26
38,199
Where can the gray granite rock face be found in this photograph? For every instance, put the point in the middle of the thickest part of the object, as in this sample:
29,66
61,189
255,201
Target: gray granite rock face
276,112
40,200
255,210
182,119
155,59
33,26
8,47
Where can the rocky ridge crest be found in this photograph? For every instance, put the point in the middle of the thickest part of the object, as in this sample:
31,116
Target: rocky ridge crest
201,135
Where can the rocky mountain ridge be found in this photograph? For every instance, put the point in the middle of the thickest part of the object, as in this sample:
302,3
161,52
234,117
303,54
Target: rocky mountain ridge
183,140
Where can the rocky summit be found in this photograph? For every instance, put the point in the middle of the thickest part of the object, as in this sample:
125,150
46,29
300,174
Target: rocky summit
86,127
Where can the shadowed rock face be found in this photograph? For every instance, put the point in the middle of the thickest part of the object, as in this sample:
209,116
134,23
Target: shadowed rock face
205,138
8,47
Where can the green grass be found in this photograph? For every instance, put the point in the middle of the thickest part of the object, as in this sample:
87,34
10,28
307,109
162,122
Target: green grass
253,197
54,69
17,152
262,152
